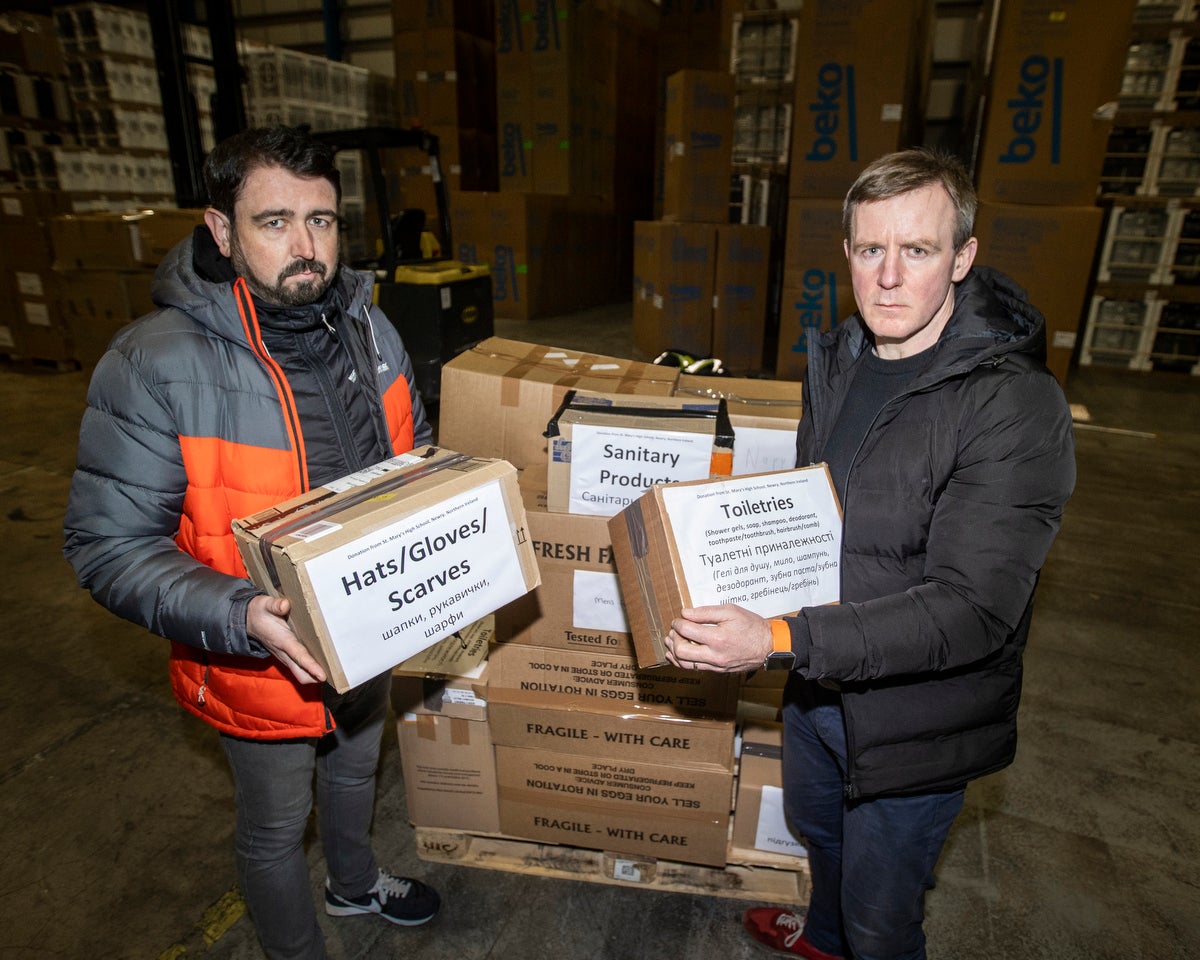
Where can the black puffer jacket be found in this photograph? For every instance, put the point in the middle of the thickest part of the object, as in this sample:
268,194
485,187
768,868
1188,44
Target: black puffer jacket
951,505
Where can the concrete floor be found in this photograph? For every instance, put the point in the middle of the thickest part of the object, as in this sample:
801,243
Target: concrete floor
117,807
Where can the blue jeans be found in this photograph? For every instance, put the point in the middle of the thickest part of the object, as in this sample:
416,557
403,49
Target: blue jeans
871,860
273,781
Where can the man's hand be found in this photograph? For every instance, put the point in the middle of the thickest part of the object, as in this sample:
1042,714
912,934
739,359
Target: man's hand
728,639
266,622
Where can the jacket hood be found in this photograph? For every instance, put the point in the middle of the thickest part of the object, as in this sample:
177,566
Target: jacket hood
992,317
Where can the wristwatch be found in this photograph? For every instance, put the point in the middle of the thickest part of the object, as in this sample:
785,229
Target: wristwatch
781,657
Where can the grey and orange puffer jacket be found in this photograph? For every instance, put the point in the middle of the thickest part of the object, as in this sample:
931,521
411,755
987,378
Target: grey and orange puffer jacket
210,408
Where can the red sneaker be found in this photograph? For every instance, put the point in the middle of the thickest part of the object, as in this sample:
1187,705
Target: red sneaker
782,932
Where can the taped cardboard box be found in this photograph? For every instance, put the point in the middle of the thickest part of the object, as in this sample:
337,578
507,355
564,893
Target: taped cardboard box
674,813
448,678
605,450
383,563
449,772
764,414
1055,78
760,835
119,241
498,396
578,605
770,542
589,727
612,678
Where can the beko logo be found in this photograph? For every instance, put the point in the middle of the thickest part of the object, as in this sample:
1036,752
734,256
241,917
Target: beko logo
1034,121
833,113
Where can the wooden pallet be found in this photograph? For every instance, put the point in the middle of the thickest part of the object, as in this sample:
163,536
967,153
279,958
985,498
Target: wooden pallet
764,884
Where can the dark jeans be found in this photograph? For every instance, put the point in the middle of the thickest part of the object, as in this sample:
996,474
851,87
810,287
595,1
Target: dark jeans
273,780
871,860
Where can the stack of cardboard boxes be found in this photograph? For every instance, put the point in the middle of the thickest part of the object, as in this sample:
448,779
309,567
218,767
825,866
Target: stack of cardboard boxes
557,736
35,109
124,158
446,83
700,282
859,86
1052,90
570,131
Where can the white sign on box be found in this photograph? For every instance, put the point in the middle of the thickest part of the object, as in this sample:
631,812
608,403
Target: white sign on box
770,543
613,466
425,575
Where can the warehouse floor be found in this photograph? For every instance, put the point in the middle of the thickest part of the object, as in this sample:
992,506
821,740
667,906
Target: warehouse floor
118,813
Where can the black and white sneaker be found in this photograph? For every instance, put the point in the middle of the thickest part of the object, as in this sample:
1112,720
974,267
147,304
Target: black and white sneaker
399,900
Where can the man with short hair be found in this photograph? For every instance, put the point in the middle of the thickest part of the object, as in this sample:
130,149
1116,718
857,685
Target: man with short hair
264,372
950,446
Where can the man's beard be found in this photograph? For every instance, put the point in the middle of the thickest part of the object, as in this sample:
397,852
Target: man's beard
280,293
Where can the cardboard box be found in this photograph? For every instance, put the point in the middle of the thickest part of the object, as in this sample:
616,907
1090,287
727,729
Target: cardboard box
578,605
764,415
383,563
745,396
858,83
740,275
606,450
699,146
674,268
1055,77
611,677
817,292
1049,251
676,813
96,304
119,241
590,727
770,542
498,396
447,678
449,771
29,41
761,836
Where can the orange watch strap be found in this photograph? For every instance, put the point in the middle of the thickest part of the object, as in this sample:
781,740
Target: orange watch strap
781,636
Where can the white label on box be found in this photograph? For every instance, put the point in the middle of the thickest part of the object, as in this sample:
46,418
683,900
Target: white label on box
315,531
367,474
770,543
611,467
1063,339
772,833
135,241
761,450
892,111
402,588
29,283
12,206
463,697
6,337
37,314
597,603
445,297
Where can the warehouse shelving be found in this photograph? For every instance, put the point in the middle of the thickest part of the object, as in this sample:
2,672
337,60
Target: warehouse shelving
1145,309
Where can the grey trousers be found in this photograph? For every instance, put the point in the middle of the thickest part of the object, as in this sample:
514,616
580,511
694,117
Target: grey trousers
273,781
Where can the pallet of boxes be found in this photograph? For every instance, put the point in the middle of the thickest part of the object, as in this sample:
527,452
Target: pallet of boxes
539,741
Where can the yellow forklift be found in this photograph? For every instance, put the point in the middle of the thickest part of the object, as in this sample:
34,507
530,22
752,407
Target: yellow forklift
440,306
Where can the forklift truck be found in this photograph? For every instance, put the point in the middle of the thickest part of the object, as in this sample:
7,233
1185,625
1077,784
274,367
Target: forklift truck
440,306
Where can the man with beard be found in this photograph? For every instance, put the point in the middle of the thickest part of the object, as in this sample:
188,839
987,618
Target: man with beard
263,372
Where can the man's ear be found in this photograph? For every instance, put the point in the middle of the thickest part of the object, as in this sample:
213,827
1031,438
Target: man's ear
220,227
964,259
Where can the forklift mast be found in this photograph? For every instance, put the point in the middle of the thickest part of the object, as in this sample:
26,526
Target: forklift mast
370,141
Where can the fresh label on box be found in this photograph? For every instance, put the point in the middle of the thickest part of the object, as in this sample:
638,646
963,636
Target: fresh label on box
613,466
770,543
417,580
